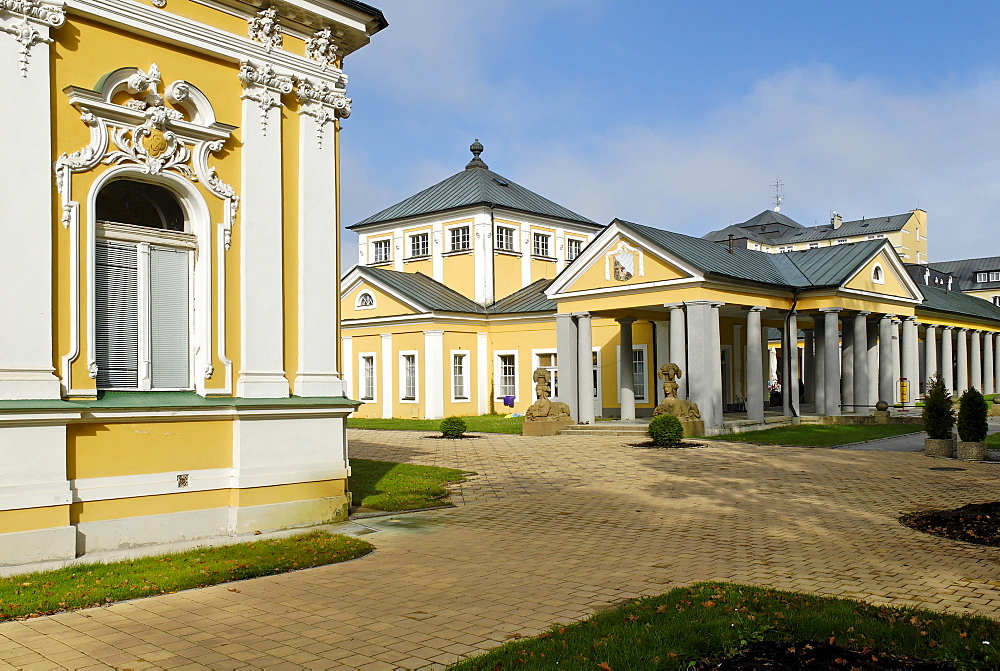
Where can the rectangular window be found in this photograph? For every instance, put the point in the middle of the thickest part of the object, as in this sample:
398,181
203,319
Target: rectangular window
573,248
383,251
996,301
787,248
419,245
409,381
813,245
142,316
368,377
639,373
540,245
458,390
842,241
506,375
995,276
505,238
981,277
550,362
459,238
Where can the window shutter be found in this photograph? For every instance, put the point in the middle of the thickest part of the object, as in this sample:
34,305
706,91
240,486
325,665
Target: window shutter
168,319
117,315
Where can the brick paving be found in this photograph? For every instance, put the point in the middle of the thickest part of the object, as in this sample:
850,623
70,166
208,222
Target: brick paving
552,530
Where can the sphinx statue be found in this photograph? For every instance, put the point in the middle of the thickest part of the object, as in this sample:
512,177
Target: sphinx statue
685,411
544,409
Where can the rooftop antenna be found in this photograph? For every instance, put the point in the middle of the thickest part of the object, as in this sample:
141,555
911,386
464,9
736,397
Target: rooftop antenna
779,197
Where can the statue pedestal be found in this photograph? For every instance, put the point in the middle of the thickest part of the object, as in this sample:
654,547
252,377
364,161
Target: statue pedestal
695,427
544,427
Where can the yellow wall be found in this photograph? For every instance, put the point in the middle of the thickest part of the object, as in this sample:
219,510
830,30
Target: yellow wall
103,450
507,274
385,305
893,284
420,266
460,272
29,519
467,341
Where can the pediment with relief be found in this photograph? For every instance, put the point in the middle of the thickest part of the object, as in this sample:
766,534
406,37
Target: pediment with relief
625,262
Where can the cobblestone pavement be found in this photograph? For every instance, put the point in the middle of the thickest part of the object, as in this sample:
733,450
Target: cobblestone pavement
550,530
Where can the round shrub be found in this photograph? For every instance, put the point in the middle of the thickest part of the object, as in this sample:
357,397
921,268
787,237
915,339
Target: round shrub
666,431
939,415
453,427
972,410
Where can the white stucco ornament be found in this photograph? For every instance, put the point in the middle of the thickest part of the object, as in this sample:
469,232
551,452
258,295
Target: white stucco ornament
23,19
321,48
264,28
622,259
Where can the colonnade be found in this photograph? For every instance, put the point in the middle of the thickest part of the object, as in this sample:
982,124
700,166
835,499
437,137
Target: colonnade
850,359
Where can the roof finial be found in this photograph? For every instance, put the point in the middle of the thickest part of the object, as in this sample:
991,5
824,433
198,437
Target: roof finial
476,148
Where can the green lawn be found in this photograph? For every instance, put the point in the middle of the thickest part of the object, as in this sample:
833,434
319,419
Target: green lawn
390,486
477,424
820,435
97,584
709,620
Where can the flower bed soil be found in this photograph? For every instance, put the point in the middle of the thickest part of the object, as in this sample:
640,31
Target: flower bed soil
975,523
651,445
815,655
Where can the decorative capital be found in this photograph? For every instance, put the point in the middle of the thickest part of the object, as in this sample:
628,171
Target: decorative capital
252,75
22,18
324,94
264,28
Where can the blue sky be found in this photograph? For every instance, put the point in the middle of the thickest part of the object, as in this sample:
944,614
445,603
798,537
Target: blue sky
681,114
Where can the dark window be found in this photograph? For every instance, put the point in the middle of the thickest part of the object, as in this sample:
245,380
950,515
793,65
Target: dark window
140,204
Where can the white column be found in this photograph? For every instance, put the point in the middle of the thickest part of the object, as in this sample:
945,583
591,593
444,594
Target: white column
896,366
434,374
947,360
567,362
388,367
626,381
715,365
262,374
962,356
996,363
861,402
930,352
791,388
483,390
319,245
347,347
809,365
873,371
819,399
755,366
705,363
26,303
908,352
585,369
739,383
678,347
832,361
886,381
988,387
976,367
847,367
661,330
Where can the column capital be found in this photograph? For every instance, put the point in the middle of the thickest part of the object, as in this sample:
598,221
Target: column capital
931,326
674,306
910,318
861,313
703,302
757,308
829,310
386,336
962,328
888,315
433,332
582,314
947,328
625,320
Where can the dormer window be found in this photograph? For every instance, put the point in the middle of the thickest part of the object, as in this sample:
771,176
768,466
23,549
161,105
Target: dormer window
982,277
994,276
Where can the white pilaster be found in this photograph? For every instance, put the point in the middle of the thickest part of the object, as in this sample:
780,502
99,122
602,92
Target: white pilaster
525,241
483,390
26,357
585,368
388,366
437,251
262,373
347,347
398,249
482,258
319,241
434,374
662,341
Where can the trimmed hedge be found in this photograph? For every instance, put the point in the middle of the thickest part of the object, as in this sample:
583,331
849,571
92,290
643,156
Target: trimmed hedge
453,427
666,431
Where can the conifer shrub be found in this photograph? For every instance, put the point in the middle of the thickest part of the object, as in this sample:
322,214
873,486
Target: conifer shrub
666,431
453,427
939,415
972,411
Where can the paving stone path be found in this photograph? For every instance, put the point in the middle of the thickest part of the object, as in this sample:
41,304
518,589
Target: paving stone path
552,530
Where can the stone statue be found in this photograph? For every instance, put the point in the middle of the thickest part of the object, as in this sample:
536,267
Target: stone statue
686,411
543,408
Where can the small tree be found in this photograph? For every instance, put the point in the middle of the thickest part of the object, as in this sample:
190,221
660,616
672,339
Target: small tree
666,431
939,415
972,411
453,427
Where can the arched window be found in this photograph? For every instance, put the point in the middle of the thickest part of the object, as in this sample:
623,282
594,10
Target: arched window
877,275
142,286
365,301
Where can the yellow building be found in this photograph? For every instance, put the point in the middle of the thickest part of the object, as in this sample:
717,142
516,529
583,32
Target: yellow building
168,362
464,289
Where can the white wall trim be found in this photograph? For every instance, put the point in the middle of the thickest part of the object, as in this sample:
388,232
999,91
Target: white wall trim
434,374
387,396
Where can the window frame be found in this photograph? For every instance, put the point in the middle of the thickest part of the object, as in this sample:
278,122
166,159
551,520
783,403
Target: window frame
403,382
536,355
996,274
497,374
373,356
536,237
362,294
878,274
413,238
377,244
982,276
510,232
466,359
457,229
571,241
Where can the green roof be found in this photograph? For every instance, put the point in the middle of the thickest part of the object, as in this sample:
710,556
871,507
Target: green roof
424,290
956,302
476,185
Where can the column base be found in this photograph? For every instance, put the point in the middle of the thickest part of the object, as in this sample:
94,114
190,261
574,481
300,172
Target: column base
318,384
262,385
